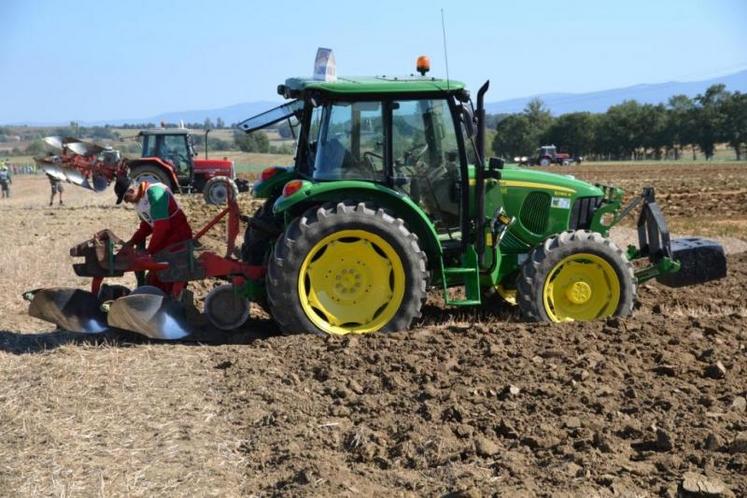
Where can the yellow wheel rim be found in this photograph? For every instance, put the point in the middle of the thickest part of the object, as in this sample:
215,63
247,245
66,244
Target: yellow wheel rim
351,281
581,286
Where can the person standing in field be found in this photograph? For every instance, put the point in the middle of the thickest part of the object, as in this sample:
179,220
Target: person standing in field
56,186
5,181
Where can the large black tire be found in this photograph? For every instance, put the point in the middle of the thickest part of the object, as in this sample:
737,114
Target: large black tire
543,262
319,223
148,172
262,230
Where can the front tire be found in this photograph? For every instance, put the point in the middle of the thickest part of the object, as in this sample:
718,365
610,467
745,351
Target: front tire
346,268
576,275
217,190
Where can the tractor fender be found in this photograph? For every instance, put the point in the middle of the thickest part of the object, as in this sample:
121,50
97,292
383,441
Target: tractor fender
271,182
400,205
167,169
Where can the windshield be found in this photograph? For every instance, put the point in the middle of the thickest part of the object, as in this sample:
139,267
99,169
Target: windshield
272,116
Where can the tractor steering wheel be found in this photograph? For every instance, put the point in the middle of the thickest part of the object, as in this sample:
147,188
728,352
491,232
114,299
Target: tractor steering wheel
368,158
413,155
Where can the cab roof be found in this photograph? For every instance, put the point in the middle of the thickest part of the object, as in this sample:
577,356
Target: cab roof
371,85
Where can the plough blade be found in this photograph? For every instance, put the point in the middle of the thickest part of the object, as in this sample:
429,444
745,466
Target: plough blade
83,148
97,183
73,310
150,312
54,142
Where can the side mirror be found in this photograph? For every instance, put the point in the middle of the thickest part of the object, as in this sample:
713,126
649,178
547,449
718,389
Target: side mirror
495,163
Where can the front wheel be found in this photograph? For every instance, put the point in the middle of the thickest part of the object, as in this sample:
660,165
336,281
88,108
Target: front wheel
576,275
346,268
217,190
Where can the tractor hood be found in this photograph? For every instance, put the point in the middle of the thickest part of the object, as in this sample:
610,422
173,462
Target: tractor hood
523,177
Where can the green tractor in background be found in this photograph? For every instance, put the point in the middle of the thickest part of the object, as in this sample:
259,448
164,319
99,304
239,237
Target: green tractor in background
391,194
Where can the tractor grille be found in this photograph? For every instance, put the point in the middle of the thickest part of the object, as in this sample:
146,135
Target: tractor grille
583,212
535,212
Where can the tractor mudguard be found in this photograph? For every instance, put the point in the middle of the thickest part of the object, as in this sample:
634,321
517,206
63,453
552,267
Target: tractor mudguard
400,205
272,181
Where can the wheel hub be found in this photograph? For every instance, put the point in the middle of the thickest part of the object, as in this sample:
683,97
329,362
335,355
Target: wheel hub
349,283
578,292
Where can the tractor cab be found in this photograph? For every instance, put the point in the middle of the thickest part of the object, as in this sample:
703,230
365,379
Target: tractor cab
173,146
547,151
409,134
409,144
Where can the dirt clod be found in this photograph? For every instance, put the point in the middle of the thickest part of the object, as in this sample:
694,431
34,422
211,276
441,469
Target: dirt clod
739,444
739,404
696,485
715,371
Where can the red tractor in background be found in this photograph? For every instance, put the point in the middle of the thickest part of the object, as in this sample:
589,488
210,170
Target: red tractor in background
168,157
548,155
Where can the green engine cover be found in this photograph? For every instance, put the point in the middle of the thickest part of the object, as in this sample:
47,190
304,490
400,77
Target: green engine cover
542,204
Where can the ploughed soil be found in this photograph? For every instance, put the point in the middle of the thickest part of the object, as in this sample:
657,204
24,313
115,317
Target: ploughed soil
467,403
479,403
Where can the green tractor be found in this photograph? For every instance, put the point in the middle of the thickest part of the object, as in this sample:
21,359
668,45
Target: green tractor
391,195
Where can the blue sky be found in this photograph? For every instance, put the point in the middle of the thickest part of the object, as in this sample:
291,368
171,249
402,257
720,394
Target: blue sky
90,60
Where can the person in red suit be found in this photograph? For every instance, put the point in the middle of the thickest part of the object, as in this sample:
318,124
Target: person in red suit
161,218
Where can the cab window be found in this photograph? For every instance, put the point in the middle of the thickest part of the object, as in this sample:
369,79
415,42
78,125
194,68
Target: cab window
174,148
350,143
426,158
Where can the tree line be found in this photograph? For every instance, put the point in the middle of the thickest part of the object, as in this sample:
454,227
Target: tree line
630,130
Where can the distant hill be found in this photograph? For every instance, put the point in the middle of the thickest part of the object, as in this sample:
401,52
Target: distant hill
231,114
561,103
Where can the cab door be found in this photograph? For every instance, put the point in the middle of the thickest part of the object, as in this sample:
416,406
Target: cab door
426,161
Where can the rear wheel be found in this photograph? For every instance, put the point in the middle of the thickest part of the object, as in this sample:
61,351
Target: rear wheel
577,275
151,174
346,268
545,161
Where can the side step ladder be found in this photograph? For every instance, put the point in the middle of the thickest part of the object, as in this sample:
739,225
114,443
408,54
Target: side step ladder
469,273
